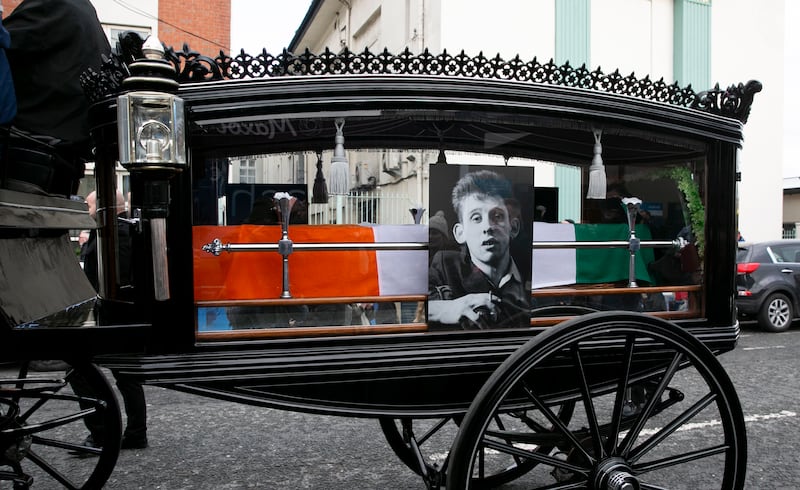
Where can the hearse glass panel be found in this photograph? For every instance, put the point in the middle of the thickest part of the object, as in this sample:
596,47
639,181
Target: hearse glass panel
318,226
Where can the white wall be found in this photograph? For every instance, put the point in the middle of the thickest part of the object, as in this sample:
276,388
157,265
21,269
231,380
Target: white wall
633,36
750,40
748,43
791,105
128,14
507,27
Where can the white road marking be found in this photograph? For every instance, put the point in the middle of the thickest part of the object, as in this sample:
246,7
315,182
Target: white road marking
765,347
779,415
714,423
440,457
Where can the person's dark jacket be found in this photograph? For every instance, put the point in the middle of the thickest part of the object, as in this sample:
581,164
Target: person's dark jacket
453,275
52,43
8,99
89,255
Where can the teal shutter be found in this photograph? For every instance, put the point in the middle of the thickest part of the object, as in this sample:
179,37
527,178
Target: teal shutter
568,180
573,32
692,43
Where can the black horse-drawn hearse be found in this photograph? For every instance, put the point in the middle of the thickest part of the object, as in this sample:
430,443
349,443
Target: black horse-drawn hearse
281,256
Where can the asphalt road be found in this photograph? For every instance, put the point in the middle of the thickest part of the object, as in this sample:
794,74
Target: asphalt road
765,368
199,443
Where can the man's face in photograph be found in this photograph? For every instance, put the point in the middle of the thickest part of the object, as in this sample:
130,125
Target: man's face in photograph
486,228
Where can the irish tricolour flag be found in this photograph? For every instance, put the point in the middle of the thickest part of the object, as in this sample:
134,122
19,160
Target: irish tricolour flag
559,267
323,274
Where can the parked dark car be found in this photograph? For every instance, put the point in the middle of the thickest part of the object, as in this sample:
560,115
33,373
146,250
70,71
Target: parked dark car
768,283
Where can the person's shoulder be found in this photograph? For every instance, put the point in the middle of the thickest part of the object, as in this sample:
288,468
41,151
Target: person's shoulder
31,10
447,257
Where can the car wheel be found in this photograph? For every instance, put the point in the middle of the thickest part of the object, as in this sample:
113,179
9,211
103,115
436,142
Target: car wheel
776,313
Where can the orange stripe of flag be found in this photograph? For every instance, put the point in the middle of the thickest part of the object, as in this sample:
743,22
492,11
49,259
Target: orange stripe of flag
259,275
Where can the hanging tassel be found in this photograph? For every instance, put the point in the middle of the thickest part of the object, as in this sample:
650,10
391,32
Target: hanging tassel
320,190
340,169
597,172
442,158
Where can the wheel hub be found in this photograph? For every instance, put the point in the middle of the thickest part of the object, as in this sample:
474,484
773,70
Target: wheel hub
614,474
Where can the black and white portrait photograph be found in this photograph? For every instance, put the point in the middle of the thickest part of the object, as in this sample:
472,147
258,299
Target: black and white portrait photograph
480,247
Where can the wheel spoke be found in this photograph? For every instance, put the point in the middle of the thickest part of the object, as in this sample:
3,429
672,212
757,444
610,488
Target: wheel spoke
548,438
662,434
482,462
564,486
71,446
541,458
502,430
52,424
557,423
680,459
633,433
45,398
532,424
619,400
591,415
57,475
410,439
433,430
23,373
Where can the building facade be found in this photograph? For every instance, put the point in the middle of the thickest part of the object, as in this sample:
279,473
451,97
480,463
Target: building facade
697,42
205,26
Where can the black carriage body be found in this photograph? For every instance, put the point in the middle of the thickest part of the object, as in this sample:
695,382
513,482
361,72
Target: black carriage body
401,369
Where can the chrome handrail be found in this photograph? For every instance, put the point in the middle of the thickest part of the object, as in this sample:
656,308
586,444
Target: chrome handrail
216,247
609,244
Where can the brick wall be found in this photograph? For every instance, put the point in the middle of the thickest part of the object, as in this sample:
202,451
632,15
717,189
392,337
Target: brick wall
205,25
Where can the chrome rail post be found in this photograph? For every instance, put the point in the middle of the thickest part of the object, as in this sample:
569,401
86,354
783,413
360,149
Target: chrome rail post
285,202
631,205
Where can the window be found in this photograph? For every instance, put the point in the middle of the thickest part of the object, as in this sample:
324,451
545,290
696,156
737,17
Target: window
785,253
115,31
247,171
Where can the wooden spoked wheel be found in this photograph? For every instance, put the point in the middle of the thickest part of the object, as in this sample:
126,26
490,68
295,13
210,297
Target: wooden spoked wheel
641,386
43,426
424,444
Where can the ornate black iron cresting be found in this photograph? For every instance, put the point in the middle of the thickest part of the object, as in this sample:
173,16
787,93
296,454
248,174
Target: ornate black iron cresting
191,66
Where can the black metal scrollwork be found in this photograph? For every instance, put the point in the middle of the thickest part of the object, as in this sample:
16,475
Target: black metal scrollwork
98,85
193,67
735,101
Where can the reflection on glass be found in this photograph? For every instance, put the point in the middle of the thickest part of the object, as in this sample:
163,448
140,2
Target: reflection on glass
221,318
233,201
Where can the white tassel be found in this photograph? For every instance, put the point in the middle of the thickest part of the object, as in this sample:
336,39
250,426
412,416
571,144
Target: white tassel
339,179
597,171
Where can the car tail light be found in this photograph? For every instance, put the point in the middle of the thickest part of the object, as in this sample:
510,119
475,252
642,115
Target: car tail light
747,267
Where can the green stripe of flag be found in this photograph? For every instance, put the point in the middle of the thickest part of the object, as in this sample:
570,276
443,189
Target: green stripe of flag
610,265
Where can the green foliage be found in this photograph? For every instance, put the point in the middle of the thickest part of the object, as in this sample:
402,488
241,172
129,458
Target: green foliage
691,193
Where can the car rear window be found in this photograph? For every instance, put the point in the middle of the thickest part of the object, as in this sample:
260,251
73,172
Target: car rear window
741,254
